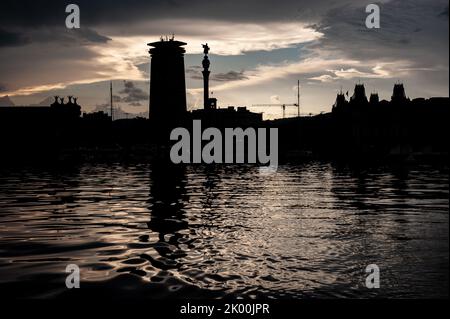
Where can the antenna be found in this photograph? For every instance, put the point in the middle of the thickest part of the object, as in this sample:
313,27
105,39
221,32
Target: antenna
111,99
298,97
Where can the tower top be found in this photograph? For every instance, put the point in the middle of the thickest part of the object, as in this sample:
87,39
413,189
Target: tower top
166,43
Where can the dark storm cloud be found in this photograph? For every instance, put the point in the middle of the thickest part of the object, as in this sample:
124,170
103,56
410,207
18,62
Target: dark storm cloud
89,35
444,13
195,73
34,46
408,30
133,93
128,17
52,63
229,76
62,35
8,38
66,36
341,22
101,12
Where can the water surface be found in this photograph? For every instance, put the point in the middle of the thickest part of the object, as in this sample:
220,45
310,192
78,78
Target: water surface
153,231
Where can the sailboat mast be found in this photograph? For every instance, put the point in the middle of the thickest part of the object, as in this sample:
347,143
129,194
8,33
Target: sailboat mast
298,97
111,99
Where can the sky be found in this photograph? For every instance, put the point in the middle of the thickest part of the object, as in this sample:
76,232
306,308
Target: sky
259,49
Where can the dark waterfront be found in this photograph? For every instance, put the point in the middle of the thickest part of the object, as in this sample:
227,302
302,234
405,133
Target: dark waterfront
152,231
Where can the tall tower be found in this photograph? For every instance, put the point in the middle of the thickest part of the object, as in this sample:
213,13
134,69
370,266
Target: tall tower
206,72
167,81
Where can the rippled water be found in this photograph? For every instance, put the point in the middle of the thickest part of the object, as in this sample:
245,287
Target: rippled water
152,231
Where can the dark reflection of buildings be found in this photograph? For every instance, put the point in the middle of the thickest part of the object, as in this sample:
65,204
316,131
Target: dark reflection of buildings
384,223
209,185
167,198
374,191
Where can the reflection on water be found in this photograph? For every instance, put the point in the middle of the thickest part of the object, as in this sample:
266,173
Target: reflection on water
158,230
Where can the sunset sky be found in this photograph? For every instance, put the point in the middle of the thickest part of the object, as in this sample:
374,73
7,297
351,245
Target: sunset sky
259,48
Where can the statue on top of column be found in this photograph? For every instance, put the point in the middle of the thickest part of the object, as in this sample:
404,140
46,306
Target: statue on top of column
205,48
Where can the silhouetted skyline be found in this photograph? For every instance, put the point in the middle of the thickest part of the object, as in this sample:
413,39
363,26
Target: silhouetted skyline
324,44
255,153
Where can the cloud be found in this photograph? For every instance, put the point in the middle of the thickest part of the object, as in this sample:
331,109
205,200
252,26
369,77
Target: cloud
224,37
116,98
133,93
105,12
323,78
45,102
6,101
82,36
303,68
444,13
377,72
321,42
229,76
13,39
408,30
144,68
275,99
37,67
61,35
195,73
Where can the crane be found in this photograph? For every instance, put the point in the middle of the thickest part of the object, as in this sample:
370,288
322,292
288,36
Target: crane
283,106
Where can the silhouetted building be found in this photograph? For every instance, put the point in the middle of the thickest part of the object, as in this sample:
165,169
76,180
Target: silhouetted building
398,94
212,103
96,117
228,117
374,98
70,110
211,115
399,128
392,128
359,95
58,110
340,103
167,82
34,131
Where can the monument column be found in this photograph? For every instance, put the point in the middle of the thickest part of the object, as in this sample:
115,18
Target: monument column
206,72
